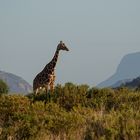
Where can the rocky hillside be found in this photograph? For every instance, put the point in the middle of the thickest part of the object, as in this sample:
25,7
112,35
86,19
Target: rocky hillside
15,83
129,68
135,83
121,83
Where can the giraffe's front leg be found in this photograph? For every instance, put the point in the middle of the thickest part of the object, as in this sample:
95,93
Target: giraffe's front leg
52,83
46,88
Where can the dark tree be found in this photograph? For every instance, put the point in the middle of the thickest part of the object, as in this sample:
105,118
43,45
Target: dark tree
3,87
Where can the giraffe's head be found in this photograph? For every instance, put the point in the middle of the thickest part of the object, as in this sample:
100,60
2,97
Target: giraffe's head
62,46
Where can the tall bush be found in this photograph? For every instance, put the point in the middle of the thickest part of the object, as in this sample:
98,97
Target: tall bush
3,87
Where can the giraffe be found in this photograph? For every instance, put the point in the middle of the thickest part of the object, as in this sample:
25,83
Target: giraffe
46,78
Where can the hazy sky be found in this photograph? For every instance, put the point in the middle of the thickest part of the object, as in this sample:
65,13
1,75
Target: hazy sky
97,32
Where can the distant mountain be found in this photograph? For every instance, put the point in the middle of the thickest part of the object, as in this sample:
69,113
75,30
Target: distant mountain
15,83
120,83
134,83
129,68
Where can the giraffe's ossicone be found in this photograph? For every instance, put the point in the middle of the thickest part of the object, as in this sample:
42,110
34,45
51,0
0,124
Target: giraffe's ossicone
46,78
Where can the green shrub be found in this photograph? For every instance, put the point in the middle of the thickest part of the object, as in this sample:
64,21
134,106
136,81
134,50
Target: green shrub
73,112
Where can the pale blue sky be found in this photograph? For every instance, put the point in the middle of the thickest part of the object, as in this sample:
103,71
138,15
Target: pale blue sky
97,32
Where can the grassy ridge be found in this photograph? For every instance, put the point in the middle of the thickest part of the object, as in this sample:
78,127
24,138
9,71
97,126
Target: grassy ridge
72,113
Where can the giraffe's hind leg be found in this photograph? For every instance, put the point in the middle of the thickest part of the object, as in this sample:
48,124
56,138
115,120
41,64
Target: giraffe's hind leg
36,91
47,96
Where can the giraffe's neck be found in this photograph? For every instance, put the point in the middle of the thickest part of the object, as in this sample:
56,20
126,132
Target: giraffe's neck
51,65
55,58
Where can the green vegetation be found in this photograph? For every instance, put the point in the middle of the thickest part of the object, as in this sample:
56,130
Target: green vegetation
3,87
72,112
